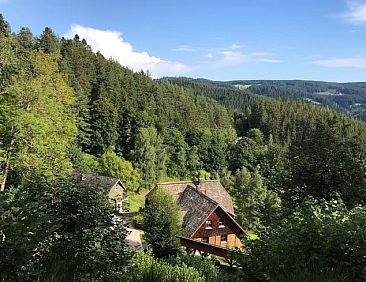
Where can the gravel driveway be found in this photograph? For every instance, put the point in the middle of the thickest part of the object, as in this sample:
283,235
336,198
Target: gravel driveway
133,239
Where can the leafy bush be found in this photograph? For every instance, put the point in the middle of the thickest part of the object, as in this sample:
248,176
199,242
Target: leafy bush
144,268
53,228
322,234
204,266
138,221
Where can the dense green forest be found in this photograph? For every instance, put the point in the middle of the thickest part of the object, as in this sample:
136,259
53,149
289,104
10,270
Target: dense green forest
347,98
296,170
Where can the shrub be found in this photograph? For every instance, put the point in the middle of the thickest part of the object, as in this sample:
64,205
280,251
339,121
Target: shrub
145,269
205,267
322,234
138,221
162,223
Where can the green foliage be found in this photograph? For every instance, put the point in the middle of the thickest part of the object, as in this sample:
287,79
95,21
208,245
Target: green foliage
48,42
37,124
63,107
249,151
331,160
146,268
4,27
83,162
112,165
255,205
205,267
25,38
149,156
9,62
177,149
313,274
324,235
204,174
54,226
138,221
162,223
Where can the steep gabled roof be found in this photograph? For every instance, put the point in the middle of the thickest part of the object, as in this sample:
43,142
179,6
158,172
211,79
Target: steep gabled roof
215,191
174,188
197,208
95,180
211,188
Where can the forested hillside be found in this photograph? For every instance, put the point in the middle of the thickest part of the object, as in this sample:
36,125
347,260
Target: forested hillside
347,98
295,170
300,132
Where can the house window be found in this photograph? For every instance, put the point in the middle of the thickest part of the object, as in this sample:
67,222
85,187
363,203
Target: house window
223,238
221,223
208,224
205,239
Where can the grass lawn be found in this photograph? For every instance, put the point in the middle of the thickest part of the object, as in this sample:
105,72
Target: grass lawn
137,200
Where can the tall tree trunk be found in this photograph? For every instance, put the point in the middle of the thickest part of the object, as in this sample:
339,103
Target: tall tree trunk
5,169
5,175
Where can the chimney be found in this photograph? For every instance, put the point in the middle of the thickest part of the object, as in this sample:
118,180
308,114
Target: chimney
200,182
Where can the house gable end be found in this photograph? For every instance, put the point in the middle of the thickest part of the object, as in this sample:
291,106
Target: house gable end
217,216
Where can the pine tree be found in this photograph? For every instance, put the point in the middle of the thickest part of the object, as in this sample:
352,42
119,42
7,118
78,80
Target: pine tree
25,38
149,156
255,204
4,27
48,42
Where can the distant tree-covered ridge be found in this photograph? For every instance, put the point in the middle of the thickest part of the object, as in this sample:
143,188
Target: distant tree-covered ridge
347,97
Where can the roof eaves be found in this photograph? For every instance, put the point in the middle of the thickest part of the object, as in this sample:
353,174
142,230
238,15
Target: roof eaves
241,228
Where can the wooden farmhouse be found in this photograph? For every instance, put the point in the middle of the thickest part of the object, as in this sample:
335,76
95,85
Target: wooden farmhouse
208,216
117,193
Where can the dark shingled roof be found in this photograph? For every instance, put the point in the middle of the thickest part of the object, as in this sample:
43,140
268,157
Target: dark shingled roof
211,188
93,180
197,208
215,191
176,188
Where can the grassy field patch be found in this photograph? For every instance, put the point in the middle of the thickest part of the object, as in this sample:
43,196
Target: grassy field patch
137,200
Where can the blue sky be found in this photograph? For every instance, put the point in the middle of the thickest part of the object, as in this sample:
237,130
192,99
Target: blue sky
220,40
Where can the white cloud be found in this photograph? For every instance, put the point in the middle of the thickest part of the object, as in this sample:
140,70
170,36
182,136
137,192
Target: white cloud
271,61
236,58
185,48
356,11
236,46
343,63
260,54
233,58
112,45
209,55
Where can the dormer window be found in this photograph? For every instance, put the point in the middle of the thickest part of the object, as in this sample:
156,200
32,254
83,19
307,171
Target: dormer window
208,224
